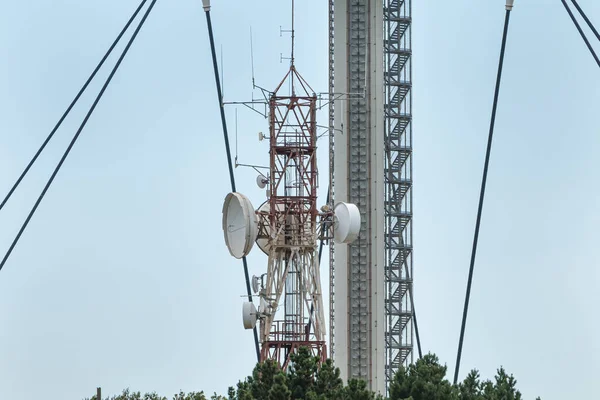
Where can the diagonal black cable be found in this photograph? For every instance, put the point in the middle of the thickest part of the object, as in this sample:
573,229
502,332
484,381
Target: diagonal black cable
587,20
68,110
227,150
482,194
85,120
587,43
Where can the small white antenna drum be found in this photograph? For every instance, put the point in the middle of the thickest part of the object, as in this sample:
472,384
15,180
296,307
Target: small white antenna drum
255,283
347,224
261,181
240,224
249,315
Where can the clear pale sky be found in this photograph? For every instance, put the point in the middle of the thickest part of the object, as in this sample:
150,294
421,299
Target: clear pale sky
122,278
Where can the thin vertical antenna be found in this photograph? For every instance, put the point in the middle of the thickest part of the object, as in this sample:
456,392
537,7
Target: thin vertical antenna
236,139
252,57
292,91
292,33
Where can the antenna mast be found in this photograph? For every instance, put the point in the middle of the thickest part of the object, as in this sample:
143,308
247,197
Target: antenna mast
293,37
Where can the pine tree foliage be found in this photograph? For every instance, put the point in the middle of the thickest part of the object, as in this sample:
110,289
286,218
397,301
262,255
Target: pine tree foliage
302,372
279,390
470,388
357,390
262,379
328,384
306,379
128,395
424,380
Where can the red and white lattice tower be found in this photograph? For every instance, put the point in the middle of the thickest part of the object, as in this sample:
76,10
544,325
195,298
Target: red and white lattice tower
293,316
287,227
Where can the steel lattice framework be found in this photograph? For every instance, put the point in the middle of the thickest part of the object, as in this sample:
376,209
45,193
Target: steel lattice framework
289,224
331,175
398,184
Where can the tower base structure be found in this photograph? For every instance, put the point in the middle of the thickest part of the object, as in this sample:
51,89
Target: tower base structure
282,350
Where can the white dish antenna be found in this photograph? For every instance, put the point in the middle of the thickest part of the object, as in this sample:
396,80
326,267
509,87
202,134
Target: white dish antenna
261,181
240,224
249,315
255,283
347,224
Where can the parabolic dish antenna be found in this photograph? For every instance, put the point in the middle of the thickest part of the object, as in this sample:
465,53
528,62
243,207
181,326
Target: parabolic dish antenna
261,181
255,284
249,315
347,224
240,224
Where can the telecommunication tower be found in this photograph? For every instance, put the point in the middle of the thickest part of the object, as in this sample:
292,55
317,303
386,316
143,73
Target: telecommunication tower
370,53
287,228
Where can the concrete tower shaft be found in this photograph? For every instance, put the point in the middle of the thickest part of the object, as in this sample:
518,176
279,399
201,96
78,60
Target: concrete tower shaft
358,170
372,168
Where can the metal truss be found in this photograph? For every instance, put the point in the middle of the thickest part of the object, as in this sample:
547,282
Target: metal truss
398,184
289,225
331,175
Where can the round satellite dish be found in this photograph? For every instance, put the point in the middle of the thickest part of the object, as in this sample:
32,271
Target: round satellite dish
240,224
347,225
255,283
261,181
249,315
